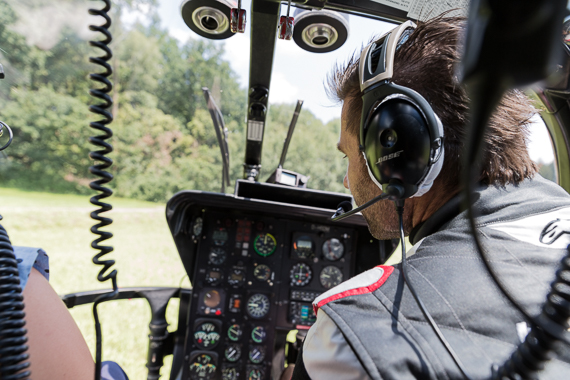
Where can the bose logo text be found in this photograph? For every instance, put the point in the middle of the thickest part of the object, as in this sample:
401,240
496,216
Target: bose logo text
389,157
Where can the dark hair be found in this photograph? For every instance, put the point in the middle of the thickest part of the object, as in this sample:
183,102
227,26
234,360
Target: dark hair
426,63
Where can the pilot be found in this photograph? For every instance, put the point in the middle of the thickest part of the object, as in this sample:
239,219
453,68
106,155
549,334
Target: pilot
371,327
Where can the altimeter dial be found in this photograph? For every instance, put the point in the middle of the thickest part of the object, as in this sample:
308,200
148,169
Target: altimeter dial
258,305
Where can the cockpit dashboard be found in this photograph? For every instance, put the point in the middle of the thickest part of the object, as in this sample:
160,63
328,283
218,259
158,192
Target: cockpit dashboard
256,265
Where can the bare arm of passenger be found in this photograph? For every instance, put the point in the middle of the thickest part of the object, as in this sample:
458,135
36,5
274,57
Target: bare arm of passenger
56,347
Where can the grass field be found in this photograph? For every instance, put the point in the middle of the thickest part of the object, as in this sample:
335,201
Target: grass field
144,252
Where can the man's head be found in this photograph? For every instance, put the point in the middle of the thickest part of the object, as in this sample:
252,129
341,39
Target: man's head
425,63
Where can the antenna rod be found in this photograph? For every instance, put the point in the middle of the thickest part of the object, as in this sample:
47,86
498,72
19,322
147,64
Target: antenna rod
221,134
290,132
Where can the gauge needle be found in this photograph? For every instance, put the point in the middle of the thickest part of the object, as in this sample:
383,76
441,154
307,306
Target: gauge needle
325,275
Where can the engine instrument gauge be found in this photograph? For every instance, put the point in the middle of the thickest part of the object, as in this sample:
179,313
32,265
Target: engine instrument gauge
230,373
235,332
232,353
262,272
217,256
300,274
220,236
264,244
330,276
258,334
258,305
333,249
256,354
255,374
206,335
202,367
303,247
197,226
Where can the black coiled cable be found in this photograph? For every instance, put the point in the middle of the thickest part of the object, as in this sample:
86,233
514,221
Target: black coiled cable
99,169
13,356
537,348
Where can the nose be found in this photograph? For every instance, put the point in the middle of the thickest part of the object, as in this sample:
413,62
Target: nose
345,181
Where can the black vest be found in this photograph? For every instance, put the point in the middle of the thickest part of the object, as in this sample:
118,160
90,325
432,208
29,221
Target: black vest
524,242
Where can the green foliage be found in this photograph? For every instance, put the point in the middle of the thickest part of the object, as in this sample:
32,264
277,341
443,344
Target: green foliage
50,146
312,150
164,140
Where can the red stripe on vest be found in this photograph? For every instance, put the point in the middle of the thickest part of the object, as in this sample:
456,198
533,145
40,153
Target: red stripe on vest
357,291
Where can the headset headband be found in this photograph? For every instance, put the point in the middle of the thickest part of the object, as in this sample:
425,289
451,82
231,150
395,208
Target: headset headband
386,47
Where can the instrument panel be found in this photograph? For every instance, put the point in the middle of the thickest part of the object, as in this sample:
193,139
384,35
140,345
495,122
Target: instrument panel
255,268
255,274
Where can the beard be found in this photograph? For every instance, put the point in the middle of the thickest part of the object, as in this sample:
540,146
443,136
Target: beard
382,218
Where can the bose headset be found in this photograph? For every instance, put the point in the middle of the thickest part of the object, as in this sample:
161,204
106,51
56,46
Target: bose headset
401,138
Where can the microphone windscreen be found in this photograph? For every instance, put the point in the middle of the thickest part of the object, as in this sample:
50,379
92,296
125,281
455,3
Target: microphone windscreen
345,205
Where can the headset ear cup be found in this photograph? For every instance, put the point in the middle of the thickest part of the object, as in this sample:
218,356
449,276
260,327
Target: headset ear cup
397,144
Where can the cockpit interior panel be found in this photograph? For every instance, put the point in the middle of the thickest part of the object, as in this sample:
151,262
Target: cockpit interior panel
256,266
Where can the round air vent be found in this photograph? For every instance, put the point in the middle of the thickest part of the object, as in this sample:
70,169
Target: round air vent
208,18
320,31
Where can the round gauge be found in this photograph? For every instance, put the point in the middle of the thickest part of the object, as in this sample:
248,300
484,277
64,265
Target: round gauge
202,367
214,277
300,274
303,247
333,249
206,335
232,353
262,272
197,227
212,298
256,354
230,373
234,332
258,334
220,236
217,256
255,374
330,276
236,278
258,305
264,244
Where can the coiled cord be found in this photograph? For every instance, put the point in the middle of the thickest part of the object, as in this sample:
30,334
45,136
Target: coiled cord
99,169
537,348
13,356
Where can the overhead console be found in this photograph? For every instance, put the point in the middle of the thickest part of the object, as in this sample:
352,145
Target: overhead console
255,266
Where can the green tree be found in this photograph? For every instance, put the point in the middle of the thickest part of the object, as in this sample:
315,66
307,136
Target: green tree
311,152
50,146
